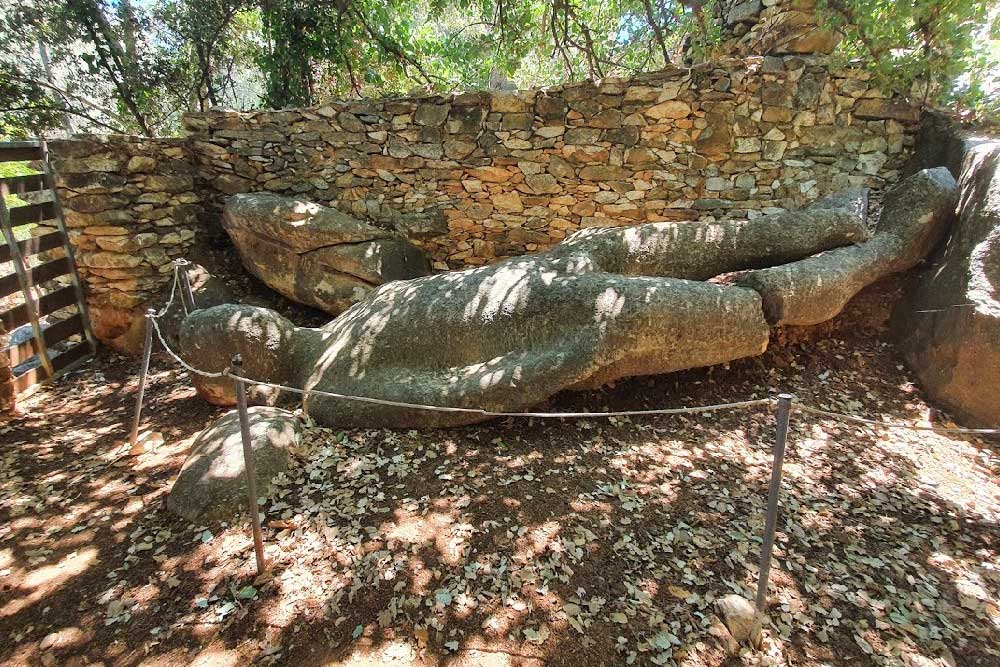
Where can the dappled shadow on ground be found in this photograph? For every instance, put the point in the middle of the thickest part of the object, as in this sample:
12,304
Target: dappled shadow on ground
70,497
594,542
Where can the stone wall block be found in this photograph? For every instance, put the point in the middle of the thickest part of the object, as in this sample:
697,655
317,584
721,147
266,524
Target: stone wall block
431,114
131,204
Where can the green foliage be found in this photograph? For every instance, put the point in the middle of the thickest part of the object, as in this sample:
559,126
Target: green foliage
8,169
124,49
115,73
349,45
931,51
26,107
362,47
209,40
121,65
136,65
978,88
15,169
299,34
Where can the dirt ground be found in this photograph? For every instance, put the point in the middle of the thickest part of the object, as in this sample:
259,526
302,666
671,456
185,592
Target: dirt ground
555,542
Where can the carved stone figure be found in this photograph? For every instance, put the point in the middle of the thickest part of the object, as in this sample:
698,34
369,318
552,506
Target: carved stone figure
602,305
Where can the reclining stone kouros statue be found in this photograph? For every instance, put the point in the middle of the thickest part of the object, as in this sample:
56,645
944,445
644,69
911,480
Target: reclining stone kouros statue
602,305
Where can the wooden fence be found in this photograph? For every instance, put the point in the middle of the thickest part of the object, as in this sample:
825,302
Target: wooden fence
30,289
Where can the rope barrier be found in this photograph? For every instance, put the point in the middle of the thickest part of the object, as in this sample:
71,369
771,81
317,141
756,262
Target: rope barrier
565,415
173,290
876,422
188,367
491,413
542,415
784,403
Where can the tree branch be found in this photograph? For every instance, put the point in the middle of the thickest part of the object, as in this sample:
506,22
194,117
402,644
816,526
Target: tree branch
390,47
657,30
65,94
74,112
96,24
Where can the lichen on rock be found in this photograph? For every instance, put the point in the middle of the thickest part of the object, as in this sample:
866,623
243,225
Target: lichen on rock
603,305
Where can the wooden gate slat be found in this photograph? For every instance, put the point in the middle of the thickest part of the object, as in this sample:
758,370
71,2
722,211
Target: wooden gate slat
49,270
61,362
27,279
20,151
33,246
14,185
32,213
47,304
29,379
36,275
15,317
18,354
53,301
55,333
68,358
9,283
63,329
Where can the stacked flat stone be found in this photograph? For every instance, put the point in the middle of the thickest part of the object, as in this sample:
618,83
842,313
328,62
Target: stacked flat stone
772,27
474,177
130,207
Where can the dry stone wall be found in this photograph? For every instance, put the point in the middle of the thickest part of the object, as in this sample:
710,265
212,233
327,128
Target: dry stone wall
130,207
476,176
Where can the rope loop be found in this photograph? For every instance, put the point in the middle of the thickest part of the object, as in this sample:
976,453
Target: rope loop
884,424
491,413
227,372
188,367
173,291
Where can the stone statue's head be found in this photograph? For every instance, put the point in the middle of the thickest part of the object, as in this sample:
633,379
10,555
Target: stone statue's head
209,338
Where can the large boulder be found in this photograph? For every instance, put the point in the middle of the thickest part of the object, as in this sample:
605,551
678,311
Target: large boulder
317,255
916,215
601,306
948,326
212,483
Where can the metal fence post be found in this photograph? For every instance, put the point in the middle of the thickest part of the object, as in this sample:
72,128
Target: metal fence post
248,462
147,351
187,296
771,522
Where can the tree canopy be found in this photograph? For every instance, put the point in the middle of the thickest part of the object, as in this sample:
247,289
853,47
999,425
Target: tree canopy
136,65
